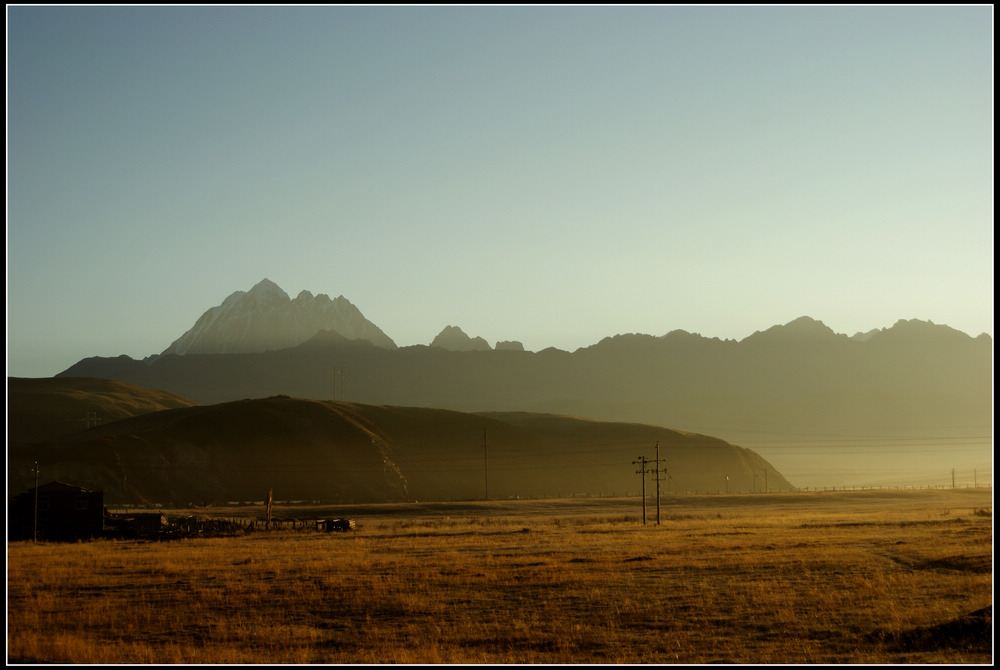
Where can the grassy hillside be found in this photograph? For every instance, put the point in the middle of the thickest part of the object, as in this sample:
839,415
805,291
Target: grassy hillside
351,452
41,409
219,453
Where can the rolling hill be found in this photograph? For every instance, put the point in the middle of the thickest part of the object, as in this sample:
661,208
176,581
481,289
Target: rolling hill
351,452
44,408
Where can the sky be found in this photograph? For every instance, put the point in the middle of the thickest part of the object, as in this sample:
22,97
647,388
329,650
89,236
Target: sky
551,175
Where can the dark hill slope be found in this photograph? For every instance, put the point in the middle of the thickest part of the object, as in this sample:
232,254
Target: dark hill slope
336,451
217,453
42,409
599,456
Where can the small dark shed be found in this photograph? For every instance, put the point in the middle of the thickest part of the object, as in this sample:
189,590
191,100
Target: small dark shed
147,524
65,513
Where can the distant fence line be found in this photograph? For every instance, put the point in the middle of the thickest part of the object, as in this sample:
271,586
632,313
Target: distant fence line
252,523
160,526
800,489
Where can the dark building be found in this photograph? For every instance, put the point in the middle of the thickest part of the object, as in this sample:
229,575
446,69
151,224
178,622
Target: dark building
65,513
134,525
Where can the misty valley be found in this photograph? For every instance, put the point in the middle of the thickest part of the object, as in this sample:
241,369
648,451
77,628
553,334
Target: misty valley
909,405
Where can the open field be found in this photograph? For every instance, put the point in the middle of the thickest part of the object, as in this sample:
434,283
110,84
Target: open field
845,577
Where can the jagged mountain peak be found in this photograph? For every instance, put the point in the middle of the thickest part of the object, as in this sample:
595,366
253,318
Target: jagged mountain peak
452,331
918,330
267,287
802,328
266,319
912,329
263,291
454,338
806,322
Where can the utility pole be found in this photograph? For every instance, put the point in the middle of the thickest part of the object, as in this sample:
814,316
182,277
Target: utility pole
727,484
659,478
486,471
765,480
953,478
657,471
34,536
338,372
642,472
270,497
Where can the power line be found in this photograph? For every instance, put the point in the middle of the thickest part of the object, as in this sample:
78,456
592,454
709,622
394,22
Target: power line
642,473
656,471
656,476
34,537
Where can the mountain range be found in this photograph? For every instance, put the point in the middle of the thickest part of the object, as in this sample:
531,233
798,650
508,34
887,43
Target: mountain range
798,383
266,319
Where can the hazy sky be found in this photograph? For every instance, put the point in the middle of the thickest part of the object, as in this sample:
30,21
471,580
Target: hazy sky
550,175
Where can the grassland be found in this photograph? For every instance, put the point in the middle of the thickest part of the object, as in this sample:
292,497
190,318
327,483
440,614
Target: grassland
846,577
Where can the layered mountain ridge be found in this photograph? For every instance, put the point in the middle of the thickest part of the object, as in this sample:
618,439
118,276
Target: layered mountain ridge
801,376
266,319
788,391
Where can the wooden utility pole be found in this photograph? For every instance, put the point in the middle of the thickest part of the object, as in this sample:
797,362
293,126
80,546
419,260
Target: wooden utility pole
657,471
34,536
486,470
270,497
338,375
642,472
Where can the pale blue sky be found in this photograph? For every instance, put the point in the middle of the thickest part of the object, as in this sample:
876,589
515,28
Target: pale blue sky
549,175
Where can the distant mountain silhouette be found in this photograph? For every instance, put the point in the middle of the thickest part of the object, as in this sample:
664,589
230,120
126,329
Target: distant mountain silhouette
265,319
454,338
343,452
914,380
796,377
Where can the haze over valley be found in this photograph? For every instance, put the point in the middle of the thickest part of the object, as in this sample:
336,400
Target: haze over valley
902,405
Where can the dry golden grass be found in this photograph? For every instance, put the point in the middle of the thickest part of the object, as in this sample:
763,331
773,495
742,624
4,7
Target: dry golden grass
793,578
